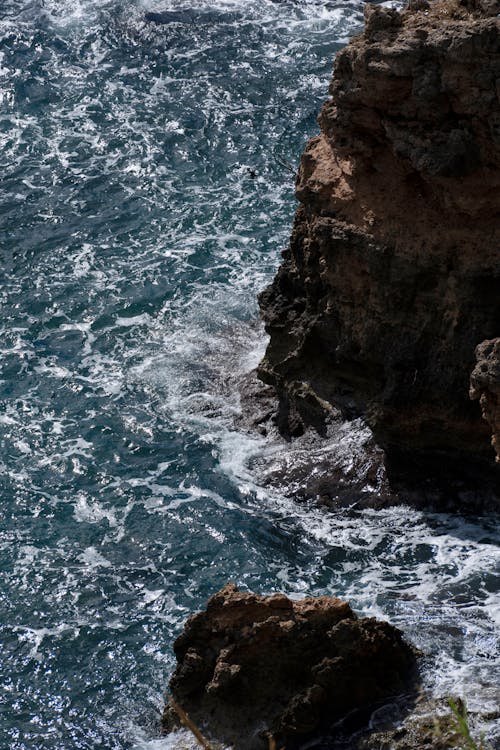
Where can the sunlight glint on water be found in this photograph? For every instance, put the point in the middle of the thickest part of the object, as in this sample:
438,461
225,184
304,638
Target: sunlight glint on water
134,242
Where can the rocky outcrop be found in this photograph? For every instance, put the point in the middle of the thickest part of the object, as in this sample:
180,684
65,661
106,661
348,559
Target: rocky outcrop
251,667
432,725
485,387
392,277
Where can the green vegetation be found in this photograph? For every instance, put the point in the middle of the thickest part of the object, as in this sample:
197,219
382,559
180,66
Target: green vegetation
461,726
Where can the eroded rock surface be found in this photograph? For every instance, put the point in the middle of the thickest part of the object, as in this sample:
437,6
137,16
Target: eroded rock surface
485,386
392,277
250,665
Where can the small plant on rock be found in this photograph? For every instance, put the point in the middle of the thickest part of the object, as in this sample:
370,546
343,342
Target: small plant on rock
461,726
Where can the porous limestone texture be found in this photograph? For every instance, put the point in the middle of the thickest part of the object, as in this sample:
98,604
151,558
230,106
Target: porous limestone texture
252,666
392,276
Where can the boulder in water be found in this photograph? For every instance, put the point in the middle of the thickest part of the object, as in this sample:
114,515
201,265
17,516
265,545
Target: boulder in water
253,667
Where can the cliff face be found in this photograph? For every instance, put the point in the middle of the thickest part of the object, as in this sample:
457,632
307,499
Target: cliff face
392,277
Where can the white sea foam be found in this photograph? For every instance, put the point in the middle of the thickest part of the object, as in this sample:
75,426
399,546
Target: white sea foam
92,558
35,636
127,304
91,511
181,740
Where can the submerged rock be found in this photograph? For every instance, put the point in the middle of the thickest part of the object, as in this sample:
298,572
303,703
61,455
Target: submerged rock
252,666
392,277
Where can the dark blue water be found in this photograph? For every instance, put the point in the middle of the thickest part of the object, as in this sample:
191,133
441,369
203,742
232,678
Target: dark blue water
145,198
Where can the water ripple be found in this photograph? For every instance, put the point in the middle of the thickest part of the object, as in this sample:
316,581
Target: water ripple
143,205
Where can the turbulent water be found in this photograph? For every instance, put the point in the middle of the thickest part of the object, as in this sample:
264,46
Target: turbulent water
146,193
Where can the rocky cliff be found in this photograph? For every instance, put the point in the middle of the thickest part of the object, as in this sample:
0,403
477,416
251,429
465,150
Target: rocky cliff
392,277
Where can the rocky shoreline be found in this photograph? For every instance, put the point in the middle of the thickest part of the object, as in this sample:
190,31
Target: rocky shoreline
392,278
383,320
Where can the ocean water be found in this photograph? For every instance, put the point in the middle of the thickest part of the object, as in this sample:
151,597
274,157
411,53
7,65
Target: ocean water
146,193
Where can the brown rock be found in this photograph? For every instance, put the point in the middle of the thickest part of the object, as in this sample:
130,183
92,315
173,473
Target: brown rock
431,725
392,277
485,386
250,665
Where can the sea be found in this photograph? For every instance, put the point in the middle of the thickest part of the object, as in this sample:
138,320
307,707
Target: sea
146,193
